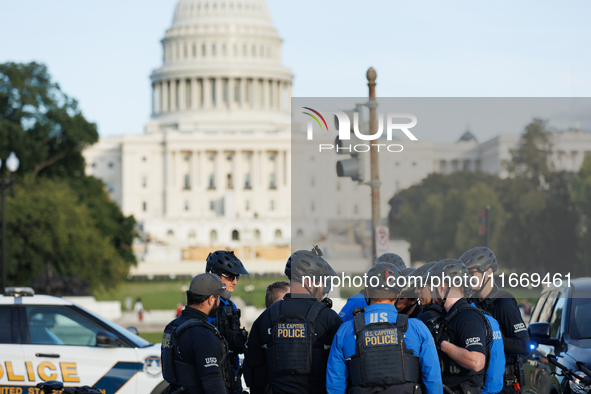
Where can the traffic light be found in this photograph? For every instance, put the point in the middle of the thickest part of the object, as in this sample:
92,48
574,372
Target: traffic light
354,167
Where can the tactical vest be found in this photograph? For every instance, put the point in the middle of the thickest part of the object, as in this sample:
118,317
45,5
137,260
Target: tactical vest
440,311
293,349
180,373
448,365
382,358
228,324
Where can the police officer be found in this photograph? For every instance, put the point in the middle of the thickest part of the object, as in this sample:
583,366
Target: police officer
432,307
358,300
481,263
493,381
462,335
380,350
292,338
408,303
227,319
194,353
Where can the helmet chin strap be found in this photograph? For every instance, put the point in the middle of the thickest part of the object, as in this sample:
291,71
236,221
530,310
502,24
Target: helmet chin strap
408,307
443,299
314,294
483,285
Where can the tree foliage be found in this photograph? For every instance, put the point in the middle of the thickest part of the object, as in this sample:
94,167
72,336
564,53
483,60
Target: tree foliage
42,125
62,223
534,219
48,225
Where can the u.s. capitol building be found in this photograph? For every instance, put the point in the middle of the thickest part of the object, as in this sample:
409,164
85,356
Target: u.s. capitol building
213,167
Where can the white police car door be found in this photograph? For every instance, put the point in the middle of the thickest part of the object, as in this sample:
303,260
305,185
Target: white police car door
61,345
11,351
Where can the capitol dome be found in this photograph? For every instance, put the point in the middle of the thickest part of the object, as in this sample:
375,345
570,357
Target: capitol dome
221,70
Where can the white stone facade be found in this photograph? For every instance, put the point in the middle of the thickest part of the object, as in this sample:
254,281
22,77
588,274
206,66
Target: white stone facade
214,166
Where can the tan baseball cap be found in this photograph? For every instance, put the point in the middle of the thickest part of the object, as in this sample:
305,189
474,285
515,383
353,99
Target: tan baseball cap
209,285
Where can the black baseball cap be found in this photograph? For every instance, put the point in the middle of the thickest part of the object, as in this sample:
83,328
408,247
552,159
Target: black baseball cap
209,285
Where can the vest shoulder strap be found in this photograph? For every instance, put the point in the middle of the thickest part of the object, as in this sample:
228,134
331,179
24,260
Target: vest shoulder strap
436,308
359,321
314,311
192,323
276,311
402,322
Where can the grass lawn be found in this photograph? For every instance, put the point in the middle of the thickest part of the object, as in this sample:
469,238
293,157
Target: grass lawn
166,294
154,337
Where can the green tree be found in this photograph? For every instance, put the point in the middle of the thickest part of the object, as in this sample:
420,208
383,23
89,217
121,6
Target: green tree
48,226
541,233
532,159
581,196
477,198
48,132
432,212
41,124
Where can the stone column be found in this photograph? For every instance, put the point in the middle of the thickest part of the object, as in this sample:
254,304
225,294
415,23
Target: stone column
219,96
174,105
231,103
264,176
206,93
265,94
182,104
165,96
194,93
289,96
159,91
254,96
255,173
243,92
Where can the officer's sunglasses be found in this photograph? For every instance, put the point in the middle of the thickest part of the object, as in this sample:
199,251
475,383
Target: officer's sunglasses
230,277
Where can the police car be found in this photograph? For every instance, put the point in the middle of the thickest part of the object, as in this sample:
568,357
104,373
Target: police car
48,338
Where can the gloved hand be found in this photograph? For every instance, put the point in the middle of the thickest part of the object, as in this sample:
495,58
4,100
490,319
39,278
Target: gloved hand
439,335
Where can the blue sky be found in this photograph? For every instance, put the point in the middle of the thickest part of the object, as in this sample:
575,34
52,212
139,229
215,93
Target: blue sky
102,52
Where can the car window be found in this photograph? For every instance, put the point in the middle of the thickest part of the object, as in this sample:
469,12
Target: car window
5,325
54,325
547,309
580,318
556,318
537,308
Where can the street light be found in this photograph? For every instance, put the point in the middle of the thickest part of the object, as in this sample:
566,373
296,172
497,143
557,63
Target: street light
11,165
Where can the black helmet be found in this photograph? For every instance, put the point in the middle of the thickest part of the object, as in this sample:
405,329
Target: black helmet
392,266
392,258
480,258
383,287
307,263
409,290
423,271
224,261
449,267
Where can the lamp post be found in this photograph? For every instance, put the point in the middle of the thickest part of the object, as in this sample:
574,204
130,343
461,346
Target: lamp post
11,165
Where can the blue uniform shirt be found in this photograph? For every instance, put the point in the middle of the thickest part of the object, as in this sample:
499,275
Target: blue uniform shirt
417,338
357,301
494,379
223,303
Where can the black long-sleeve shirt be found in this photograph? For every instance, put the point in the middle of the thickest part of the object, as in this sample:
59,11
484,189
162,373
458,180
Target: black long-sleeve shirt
503,307
199,345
